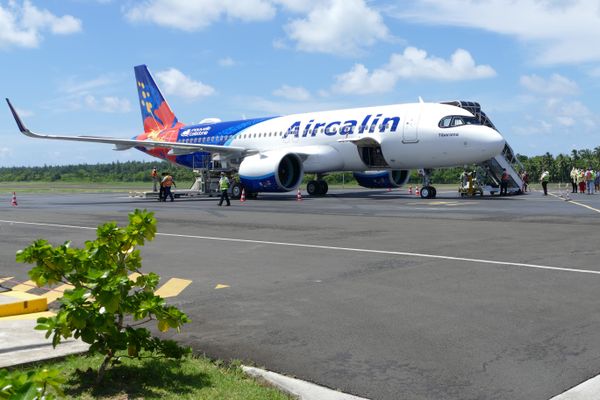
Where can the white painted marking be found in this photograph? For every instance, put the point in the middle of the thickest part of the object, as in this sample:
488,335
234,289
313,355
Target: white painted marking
335,248
587,390
576,202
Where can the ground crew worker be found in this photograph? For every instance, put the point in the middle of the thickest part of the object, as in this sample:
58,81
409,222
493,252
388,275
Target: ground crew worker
504,183
224,187
155,179
166,184
544,179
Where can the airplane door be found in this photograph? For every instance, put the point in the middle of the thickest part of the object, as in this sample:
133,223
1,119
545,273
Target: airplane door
411,126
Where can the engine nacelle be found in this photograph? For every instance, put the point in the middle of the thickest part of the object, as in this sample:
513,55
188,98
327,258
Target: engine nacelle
382,179
273,171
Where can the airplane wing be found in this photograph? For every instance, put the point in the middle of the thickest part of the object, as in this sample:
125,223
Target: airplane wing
125,144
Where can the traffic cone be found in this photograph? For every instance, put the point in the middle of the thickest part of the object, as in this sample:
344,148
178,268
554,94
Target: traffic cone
389,189
417,192
410,189
14,200
243,196
299,196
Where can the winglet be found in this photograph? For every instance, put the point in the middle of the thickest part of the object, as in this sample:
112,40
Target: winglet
20,123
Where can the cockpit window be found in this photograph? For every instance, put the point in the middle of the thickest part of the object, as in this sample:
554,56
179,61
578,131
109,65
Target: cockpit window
457,120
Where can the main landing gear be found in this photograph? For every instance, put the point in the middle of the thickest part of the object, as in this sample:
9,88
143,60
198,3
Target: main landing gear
427,191
317,187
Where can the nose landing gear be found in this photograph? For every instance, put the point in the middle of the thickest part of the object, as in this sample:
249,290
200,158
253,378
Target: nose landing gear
427,191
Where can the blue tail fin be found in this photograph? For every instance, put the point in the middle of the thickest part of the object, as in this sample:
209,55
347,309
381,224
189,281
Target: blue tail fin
156,113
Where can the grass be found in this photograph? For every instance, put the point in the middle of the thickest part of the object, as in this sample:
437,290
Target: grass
189,378
79,187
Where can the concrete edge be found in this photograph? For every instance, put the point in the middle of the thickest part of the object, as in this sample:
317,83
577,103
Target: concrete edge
296,387
16,303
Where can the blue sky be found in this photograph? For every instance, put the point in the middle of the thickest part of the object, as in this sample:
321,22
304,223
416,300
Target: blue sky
533,65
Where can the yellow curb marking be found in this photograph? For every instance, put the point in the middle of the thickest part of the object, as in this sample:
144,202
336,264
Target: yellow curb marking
57,292
134,276
25,286
28,316
220,286
23,303
173,287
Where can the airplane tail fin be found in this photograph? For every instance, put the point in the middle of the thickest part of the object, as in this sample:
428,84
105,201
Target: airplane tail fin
156,113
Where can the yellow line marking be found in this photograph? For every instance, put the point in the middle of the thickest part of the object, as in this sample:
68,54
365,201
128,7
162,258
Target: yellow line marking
25,286
57,292
5,279
173,287
576,202
220,286
28,316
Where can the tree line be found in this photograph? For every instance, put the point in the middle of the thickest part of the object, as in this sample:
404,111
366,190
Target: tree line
559,168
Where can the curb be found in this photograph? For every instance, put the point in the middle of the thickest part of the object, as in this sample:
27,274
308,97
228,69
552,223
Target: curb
296,387
16,303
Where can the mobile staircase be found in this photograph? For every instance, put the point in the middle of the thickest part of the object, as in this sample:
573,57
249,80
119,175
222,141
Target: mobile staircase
493,168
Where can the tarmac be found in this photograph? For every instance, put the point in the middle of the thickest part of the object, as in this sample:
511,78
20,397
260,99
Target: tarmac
381,295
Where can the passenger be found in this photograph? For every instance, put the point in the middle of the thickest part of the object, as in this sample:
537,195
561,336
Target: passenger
589,180
504,183
224,187
167,182
597,181
574,173
525,179
581,180
155,179
544,179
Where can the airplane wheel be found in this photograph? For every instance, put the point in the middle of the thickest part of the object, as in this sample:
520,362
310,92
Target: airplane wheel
425,192
312,187
323,187
236,191
433,192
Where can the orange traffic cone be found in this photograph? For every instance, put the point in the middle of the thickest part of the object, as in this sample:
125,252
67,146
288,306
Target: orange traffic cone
243,196
299,196
417,192
389,189
14,200
410,189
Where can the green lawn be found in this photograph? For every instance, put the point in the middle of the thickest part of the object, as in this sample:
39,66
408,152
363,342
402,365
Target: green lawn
189,378
80,187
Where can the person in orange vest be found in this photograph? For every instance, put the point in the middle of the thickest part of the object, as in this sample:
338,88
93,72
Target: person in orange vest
166,184
155,179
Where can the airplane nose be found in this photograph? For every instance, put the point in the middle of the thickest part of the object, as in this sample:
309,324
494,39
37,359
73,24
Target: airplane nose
492,141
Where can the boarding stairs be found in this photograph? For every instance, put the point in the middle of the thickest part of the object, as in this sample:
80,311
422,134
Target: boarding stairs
494,167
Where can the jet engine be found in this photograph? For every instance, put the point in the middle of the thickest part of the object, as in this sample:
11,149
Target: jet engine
272,171
382,179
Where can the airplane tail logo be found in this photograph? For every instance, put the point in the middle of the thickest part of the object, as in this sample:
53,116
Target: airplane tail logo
156,113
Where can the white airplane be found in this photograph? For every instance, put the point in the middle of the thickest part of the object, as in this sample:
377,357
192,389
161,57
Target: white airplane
379,144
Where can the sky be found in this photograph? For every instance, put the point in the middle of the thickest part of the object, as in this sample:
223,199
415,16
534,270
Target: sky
67,65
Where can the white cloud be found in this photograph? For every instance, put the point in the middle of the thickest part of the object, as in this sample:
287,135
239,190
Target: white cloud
5,152
295,93
555,85
176,83
74,86
196,15
558,31
413,63
226,62
24,113
108,104
22,24
338,27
